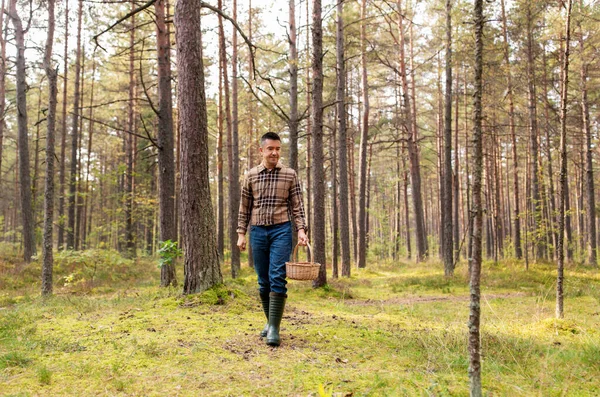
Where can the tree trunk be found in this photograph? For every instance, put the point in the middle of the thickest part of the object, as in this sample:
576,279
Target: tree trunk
511,120
63,136
229,126
250,108
533,141
448,242
23,141
317,158
563,168
166,161
335,202
2,83
413,149
201,264
589,170
364,137
130,147
74,137
342,139
475,307
234,158
293,70
220,176
47,258
87,191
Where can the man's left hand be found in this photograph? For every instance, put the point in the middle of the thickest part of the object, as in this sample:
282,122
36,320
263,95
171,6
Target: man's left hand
302,237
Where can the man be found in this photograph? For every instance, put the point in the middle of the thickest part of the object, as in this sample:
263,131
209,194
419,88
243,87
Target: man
271,199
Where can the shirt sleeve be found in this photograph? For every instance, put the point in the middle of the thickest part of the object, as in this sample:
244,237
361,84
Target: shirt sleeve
246,201
297,205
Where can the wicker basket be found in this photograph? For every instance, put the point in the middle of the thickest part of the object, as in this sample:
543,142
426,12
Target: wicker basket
302,270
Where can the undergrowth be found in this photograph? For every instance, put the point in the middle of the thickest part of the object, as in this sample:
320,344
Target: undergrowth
393,329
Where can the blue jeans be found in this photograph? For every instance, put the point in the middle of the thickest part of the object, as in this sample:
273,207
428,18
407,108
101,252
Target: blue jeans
271,248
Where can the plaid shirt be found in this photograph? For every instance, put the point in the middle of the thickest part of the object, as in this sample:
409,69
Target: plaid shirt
270,197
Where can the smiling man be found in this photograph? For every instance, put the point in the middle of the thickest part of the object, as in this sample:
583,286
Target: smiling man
271,201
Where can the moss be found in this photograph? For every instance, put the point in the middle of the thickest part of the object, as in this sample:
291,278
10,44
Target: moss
387,330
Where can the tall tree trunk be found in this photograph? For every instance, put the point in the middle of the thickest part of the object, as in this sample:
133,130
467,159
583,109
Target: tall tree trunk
475,293
23,141
549,144
47,258
2,82
166,161
293,70
456,180
563,167
234,158
229,126
448,243
250,108
220,176
335,203
201,264
318,172
74,136
513,136
406,207
413,149
364,138
343,138
63,136
130,147
533,140
589,170
88,193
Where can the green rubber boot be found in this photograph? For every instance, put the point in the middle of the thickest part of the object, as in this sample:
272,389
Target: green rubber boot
264,299
276,306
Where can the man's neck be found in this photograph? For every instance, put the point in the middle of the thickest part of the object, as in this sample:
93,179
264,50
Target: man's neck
267,166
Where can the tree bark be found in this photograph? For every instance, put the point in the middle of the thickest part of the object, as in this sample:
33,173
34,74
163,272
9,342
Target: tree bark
293,70
63,136
88,194
342,153
130,147
234,158
413,149
165,140
448,236
51,74
563,168
589,169
201,264
475,292
317,158
2,82
23,141
220,176
513,135
74,137
361,257
533,141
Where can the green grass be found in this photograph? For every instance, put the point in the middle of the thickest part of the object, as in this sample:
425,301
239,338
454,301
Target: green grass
389,330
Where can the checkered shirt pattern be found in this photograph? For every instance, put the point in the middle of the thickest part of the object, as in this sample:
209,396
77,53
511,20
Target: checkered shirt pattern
270,197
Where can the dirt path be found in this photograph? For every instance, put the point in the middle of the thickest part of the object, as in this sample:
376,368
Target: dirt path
425,299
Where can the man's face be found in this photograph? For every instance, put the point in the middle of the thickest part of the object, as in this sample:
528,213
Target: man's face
270,151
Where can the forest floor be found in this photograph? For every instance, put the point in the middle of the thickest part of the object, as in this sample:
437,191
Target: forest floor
392,329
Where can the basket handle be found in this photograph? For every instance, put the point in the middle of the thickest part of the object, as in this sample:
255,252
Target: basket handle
295,255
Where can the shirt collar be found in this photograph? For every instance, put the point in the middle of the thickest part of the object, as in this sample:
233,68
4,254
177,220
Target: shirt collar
262,168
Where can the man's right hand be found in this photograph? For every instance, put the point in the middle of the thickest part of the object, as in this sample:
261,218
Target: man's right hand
241,243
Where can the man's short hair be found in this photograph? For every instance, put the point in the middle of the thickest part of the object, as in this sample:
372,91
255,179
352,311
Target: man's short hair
269,135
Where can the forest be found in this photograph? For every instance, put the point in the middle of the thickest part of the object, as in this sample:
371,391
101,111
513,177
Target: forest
447,150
